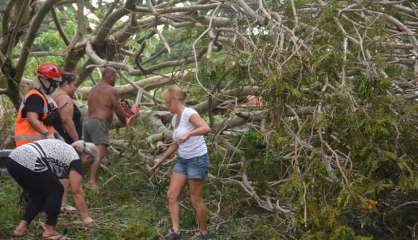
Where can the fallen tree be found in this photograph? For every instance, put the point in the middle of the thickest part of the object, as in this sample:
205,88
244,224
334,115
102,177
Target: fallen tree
330,154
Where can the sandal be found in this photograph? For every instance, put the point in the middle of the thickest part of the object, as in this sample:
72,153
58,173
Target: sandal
56,237
19,235
68,208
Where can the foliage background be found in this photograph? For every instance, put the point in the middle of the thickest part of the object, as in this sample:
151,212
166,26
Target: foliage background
335,158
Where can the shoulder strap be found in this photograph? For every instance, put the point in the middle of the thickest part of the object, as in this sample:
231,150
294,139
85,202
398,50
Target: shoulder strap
38,92
55,96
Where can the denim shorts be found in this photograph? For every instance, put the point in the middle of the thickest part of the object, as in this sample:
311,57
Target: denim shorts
193,168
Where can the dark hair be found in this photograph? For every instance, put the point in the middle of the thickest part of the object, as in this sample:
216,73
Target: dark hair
67,78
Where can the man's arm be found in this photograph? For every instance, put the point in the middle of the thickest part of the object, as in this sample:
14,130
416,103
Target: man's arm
36,124
120,113
34,106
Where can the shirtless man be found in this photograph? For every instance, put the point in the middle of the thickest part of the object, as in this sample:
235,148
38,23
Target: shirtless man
103,102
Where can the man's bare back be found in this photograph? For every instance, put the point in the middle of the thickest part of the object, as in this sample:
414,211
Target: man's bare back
100,102
103,99
103,102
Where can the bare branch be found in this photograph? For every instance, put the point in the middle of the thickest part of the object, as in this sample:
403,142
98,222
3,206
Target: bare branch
6,16
30,37
59,27
191,8
147,83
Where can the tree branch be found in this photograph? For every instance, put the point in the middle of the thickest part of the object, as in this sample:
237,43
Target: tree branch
59,27
147,84
30,37
6,15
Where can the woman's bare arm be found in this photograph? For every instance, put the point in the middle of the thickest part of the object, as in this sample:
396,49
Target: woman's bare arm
66,110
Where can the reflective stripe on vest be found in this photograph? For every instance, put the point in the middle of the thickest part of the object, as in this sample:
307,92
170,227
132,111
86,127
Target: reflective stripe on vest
29,137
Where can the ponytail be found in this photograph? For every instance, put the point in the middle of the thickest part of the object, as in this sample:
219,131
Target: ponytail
177,93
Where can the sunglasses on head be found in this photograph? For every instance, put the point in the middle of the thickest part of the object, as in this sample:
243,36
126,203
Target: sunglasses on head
68,78
51,79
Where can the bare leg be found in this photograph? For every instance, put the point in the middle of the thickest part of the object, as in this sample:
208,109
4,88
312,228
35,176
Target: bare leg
196,187
96,165
176,186
65,183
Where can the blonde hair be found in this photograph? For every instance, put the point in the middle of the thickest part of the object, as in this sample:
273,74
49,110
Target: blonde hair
175,92
86,147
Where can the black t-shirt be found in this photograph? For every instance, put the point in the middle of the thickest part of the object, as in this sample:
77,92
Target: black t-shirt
59,126
34,103
78,167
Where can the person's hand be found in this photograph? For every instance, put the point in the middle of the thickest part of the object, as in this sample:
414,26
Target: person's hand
131,119
155,164
89,222
135,109
50,136
183,138
126,108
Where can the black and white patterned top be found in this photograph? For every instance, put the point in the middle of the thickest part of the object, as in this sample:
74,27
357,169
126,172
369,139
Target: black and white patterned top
48,154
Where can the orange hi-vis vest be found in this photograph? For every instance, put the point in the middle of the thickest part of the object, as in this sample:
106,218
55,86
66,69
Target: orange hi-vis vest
24,133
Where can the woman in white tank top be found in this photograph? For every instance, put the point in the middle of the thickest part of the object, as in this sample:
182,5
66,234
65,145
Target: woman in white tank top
192,163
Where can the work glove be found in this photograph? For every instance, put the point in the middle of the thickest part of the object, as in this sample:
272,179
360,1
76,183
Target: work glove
130,111
126,108
132,118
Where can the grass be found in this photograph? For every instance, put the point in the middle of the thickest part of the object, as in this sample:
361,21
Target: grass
130,205
127,207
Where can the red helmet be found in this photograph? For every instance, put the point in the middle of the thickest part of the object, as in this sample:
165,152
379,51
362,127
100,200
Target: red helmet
50,71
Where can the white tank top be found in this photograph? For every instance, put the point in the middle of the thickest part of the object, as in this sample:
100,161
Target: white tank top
195,146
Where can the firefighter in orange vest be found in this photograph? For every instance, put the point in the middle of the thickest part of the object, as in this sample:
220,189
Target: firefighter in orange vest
38,111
